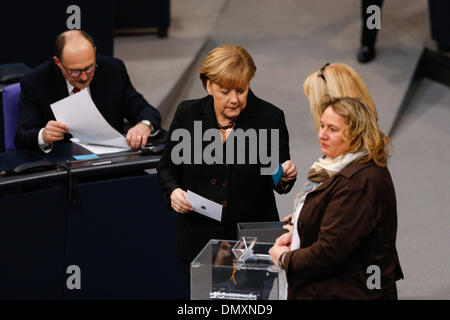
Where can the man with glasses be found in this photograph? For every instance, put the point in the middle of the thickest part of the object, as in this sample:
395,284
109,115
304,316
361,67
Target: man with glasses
75,67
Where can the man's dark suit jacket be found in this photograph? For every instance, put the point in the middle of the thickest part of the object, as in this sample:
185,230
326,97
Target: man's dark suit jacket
111,91
247,195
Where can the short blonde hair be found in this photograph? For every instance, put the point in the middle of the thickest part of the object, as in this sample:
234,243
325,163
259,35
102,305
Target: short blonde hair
229,66
339,80
362,131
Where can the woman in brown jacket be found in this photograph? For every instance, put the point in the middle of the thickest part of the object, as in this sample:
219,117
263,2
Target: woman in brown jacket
342,244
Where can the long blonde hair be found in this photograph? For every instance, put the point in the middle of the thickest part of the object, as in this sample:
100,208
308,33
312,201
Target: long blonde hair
334,81
362,131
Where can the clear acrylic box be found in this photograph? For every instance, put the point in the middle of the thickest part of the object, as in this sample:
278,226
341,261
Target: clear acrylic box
235,270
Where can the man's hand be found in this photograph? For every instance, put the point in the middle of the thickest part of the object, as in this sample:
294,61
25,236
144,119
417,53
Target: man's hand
178,201
289,171
138,136
54,131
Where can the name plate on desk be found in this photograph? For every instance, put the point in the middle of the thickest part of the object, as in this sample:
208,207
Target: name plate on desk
86,157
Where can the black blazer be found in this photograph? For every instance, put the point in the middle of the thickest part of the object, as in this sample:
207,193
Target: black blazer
111,91
245,193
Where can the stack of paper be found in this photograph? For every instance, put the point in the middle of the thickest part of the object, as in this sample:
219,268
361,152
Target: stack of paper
87,125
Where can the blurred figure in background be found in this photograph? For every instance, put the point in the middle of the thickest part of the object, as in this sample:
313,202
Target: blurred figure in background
333,81
366,52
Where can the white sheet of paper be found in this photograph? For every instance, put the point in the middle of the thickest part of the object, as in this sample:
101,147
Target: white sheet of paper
204,206
98,149
85,122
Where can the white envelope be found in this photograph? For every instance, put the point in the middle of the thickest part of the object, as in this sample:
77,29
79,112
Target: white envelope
204,206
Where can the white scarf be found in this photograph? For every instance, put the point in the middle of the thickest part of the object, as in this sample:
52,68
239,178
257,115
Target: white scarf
331,166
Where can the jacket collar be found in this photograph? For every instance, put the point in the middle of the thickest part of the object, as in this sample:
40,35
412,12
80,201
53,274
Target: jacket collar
60,85
251,110
347,172
95,84
353,168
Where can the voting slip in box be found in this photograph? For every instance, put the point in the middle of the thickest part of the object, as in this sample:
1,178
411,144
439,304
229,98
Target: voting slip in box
236,270
264,231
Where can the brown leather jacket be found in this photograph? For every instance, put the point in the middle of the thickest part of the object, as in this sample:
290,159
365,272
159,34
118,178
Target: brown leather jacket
348,224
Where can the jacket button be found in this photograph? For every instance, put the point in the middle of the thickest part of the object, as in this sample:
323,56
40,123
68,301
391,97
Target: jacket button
225,184
213,181
224,203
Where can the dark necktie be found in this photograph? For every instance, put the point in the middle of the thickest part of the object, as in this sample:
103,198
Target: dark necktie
75,90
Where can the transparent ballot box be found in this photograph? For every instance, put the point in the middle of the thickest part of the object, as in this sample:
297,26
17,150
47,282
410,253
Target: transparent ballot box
235,270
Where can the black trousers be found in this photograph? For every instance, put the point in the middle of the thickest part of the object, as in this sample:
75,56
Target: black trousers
368,36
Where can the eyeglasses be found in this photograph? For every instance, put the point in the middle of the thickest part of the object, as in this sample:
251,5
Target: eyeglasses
320,74
77,73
